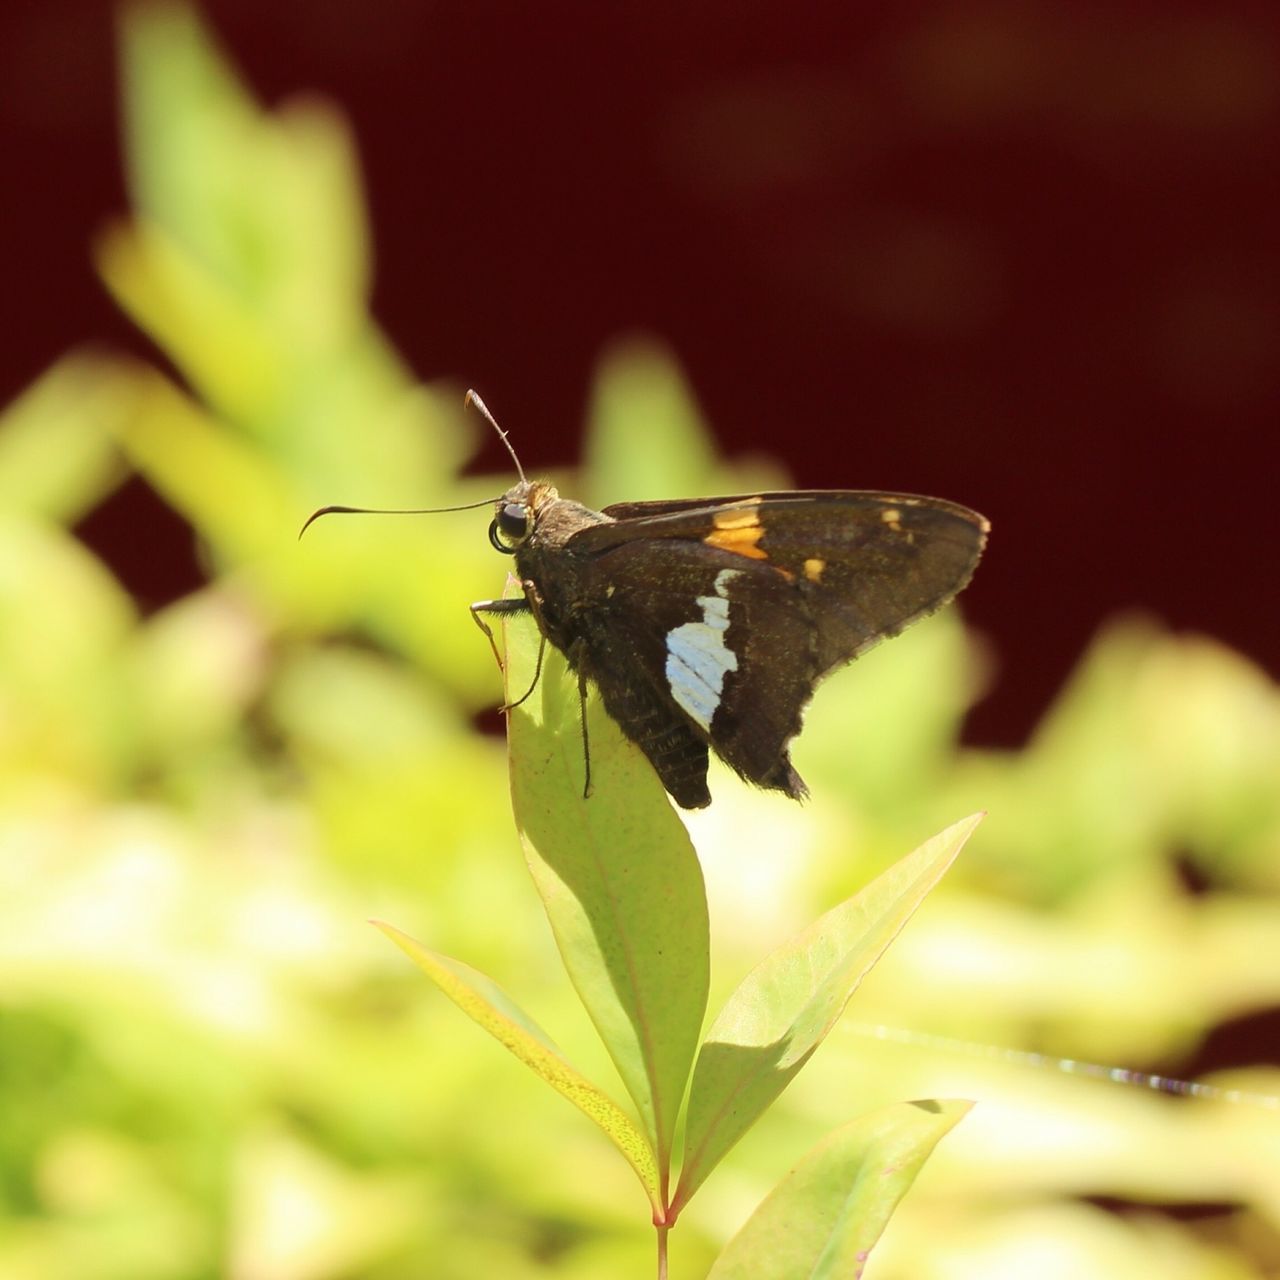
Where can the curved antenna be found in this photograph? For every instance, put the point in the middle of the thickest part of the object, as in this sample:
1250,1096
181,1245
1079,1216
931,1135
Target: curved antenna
390,511
473,400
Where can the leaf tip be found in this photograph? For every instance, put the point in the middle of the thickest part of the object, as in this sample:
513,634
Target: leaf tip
398,936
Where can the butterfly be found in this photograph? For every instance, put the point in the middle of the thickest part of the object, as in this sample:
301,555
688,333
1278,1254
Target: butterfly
706,623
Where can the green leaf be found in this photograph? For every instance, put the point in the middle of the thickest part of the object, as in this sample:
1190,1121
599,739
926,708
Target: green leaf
247,260
647,438
269,204
784,1008
484,1001
620,881
66,701
57,456
224,485
821,1220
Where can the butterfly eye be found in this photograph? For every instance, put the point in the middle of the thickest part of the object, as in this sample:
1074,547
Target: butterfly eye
510,527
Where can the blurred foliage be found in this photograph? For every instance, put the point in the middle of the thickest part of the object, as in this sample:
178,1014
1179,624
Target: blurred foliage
210,1065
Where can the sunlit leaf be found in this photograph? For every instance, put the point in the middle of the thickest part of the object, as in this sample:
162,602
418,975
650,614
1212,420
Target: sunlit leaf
884,728
486,1003
648,440
264,201
621,883
247,261
822,1219
58,455
65,699
784,1008
223,485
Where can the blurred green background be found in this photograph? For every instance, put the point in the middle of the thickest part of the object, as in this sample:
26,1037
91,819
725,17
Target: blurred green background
211,1066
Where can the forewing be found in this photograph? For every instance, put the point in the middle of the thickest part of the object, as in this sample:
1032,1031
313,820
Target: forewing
701,508
866,564
871,565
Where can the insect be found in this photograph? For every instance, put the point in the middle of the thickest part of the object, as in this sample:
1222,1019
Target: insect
706,623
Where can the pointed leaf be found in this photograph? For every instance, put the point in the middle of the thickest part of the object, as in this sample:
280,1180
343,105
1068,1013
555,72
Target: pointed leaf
268,203
820,1221
620,881
57,456
485,1002
784,1008
647,438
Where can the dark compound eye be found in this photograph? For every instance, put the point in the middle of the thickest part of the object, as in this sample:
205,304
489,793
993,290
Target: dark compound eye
510,527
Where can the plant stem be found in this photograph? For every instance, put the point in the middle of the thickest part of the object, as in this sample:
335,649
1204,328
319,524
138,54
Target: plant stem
662,1251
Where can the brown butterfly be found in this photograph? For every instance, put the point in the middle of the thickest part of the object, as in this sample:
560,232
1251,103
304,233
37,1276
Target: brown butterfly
706,623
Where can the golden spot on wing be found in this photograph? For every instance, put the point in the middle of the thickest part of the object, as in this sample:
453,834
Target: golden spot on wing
740,539
738,529
813,569
892,517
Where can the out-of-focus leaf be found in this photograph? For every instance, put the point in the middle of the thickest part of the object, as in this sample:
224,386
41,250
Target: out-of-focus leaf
270,205
784,1008
1209,720
199,665
619,878
224,486
1158,744
247,262
884,728
297,1211
822,1219
486,1003
248,513
400,784
64,702
58,455
647,439
338,411
217,339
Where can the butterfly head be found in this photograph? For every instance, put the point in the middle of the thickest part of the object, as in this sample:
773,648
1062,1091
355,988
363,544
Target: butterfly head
516,514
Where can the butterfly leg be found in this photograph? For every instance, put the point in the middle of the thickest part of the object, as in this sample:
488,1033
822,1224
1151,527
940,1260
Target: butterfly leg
502,607
586,741
533,684
507,608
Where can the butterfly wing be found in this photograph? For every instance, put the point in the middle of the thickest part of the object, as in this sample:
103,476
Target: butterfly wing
716,620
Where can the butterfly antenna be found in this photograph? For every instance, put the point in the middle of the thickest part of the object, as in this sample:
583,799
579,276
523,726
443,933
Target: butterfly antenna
390,511
473,401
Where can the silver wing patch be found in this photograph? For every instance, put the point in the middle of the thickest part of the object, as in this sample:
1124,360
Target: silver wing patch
698,658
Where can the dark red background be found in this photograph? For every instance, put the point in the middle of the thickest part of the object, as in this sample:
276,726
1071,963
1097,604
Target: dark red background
1023,256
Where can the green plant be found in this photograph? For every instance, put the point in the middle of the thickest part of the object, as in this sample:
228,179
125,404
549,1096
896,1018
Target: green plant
623,891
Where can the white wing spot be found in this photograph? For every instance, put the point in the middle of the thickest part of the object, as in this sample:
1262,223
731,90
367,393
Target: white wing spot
698,658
